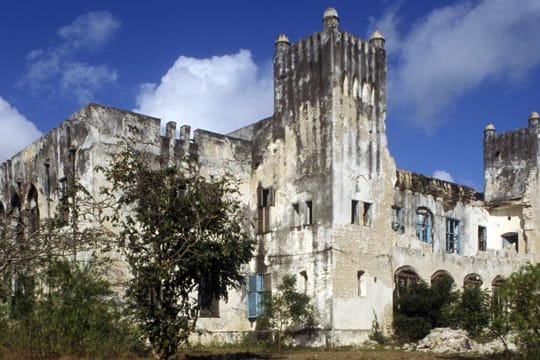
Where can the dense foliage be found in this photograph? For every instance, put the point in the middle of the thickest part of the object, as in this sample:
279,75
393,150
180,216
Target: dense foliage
184,234
72,312
521,299
420,308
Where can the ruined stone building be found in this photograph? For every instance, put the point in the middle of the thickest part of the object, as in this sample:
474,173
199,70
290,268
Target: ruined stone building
330,205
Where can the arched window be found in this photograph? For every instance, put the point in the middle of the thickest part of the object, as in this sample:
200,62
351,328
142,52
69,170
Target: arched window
496,300
404,278
424,225
366,93
441,275
16,226
472,280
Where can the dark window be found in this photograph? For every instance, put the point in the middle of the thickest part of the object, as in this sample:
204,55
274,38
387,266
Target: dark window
355,212
482,238
361,277
471,280
265,199
295,216
308,213
208,301
510,240
397,220
453,236
366,215
404,278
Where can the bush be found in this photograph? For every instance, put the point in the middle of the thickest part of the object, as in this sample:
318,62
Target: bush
74,312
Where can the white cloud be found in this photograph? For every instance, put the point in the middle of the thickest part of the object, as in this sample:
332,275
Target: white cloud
221,93
57,69
456,48
443,175
17,131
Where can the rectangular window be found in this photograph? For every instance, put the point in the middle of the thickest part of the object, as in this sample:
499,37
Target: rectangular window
366,215
482,238
355,212
308,213
208,302
265,199
259,285
361,275
295,216
452,236
423,225
397,220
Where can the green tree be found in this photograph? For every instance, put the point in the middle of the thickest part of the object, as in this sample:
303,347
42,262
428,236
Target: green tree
521,293
183,234
472,311
288,310
420,308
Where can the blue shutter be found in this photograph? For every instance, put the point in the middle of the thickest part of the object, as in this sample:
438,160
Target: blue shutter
428,228
254,298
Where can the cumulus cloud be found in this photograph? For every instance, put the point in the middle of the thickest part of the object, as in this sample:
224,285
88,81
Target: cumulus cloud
456,48
443,175
58,70
220,93
17,131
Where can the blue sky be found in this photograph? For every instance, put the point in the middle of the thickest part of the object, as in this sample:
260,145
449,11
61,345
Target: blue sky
454,66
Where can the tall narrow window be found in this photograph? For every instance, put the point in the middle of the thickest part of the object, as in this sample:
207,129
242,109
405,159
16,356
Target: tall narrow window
295,216
397,220
308,213
453,236
424,221
482,238
33,212
258,285
366,215
265,199
361,278
208,300
355,212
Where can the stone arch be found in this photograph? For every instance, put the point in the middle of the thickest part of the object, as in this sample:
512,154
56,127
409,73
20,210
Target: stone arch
440,275
472,279
404,277
15,222
33,210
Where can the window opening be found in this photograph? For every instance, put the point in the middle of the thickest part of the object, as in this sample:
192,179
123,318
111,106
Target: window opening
366,215
482,238
397,220
510,240
361,277
308,213
265,199
355,213
404,278
452,236
208,300
424,221
295,221
259,285
471,280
